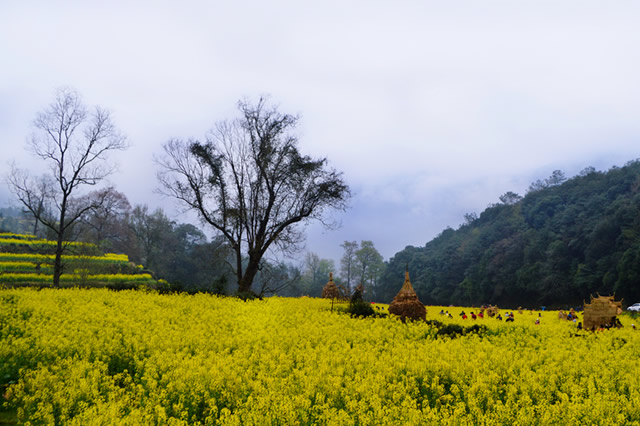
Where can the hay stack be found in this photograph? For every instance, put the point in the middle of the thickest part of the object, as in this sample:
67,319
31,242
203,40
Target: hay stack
602,311
406,303
492,311
330,291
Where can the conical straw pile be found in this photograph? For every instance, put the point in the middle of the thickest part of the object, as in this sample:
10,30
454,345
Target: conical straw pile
330,291
406,303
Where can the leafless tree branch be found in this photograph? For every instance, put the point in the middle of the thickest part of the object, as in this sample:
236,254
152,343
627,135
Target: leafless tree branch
249,181
75,144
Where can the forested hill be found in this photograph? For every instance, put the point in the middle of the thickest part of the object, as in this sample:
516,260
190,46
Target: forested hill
565,240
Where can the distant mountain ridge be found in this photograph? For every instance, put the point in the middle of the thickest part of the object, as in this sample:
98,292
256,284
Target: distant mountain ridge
561,242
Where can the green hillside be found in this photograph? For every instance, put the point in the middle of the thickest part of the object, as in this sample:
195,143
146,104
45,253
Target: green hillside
565,240
28,261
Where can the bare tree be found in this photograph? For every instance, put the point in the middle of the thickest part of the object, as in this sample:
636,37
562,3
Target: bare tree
312,266
104,225
152,232
249,181
75,142
275,277
347,262
316,272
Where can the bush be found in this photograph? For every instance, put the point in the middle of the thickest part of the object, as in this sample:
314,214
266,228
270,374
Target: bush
456,330
361,309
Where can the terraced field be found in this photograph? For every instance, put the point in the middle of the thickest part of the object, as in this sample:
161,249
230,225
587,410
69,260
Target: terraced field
28,261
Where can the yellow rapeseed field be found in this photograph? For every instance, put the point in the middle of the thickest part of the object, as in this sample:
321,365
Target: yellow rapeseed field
49,258
100,357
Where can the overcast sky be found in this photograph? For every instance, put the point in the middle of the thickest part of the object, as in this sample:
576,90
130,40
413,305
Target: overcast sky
432,109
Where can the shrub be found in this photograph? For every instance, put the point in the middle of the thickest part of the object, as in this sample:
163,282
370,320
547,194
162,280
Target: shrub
361,309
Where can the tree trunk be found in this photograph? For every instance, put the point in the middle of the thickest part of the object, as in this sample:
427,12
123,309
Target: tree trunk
244,284
57,265
239,271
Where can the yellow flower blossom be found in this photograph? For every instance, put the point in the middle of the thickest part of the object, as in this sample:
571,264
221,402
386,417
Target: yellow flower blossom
100,357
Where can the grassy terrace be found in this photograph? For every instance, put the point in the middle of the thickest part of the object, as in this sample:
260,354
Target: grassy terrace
28,261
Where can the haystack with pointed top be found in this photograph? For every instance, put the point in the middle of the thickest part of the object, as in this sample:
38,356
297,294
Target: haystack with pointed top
601,312
492,311
330,290
406,303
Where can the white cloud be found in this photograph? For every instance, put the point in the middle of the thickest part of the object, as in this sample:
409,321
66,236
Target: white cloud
431,109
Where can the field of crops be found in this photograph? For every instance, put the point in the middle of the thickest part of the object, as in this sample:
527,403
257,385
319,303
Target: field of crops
97,357
24,243
28,261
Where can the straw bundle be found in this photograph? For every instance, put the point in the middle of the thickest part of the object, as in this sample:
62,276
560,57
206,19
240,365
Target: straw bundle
492,311
406,303
330,291
602,311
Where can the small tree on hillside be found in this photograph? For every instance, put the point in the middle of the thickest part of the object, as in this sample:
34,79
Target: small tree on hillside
315,271
368,266
249,181
104,225
347,262
510,198
75,142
